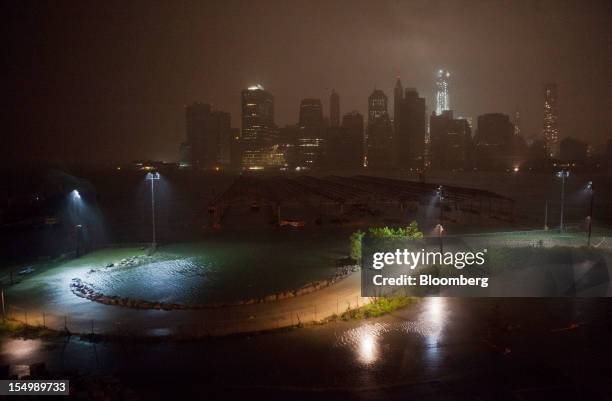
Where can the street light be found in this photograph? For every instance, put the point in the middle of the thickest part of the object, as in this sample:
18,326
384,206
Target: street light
75,207
440,231
153,177
440,193
441,198
563,174
592,191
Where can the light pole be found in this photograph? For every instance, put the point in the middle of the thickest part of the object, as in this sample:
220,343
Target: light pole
563,174
3,309
440,230
546,217
75,196
153,177
592,191
441,198
440,227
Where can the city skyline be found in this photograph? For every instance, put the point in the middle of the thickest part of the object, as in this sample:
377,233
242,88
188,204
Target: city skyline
137,79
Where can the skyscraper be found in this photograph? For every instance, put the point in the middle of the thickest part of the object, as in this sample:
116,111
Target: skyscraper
257,114
334,109
409,135
379,138
353,123
377,106
208,136
310,142
259,132
195,122
311,115
550,131
398,95
450,142
494,142
345,143
442,97
517,123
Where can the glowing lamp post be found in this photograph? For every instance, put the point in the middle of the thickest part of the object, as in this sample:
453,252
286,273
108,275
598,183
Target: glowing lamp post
153,177
563,174
75,198
590,218
441,198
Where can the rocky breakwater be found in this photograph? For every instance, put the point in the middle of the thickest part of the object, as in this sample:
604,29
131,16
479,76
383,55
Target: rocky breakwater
85,290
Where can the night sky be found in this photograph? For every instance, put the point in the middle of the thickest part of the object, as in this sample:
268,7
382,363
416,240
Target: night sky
108,81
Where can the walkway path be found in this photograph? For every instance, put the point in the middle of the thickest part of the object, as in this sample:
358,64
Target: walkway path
80,314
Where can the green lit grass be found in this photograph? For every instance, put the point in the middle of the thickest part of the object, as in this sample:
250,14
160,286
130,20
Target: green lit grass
378,307
14,328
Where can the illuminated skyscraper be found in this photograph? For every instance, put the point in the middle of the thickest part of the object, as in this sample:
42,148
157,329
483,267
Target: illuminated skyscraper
257,114
256,145
550,132
442,100
334,109
310,142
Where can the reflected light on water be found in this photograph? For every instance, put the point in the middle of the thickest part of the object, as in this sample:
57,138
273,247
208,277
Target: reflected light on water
434,315
364,340
367,348
17,348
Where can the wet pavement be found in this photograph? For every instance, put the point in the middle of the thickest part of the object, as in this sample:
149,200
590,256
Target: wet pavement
437,349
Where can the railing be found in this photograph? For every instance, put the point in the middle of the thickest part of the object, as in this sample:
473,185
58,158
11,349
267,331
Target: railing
188,323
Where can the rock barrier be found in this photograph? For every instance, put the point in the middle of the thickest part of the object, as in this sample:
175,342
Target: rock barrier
85,290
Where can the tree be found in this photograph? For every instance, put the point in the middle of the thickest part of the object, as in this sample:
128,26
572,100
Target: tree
409,232
355,240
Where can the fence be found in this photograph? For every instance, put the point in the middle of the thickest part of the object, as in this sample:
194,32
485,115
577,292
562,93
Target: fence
90,317
129,322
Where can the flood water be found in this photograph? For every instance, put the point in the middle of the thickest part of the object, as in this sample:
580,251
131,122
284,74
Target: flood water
229,267
437,349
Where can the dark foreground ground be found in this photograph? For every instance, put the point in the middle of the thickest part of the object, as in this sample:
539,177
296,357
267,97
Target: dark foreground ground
438,349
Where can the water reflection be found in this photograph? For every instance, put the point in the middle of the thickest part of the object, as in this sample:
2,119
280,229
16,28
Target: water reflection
367,348
17,349
365,340
433,316
427,328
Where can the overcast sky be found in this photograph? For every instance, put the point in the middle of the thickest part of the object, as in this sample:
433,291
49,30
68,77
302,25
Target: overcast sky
108,81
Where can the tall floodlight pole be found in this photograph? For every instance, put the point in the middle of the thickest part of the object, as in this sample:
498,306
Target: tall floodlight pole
153,177
440,226
592,191
441,199
563,174
3,309
75,200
